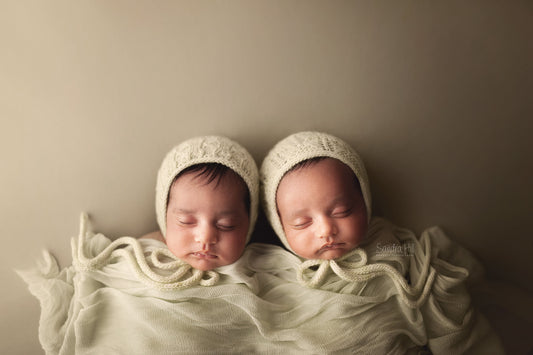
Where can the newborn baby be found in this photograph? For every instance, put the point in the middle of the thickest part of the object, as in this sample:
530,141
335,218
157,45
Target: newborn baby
409,291
203,201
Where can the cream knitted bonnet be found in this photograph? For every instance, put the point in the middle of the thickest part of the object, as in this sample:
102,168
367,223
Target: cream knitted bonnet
295,149
208,149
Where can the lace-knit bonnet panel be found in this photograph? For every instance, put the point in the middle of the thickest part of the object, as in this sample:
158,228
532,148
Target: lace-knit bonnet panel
207,149
295,149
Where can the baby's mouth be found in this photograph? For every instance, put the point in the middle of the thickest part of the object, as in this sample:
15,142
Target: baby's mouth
331,246
204,255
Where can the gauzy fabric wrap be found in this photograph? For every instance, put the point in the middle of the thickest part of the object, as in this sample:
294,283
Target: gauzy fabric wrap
117,298
401,292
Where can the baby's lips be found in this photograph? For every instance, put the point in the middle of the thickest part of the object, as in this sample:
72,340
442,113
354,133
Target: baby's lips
204,255
331,246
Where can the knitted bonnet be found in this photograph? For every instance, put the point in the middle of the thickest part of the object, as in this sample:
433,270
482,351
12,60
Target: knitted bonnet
295,149
207,149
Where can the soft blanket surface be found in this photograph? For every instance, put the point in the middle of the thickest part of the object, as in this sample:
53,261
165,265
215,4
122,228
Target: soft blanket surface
131,296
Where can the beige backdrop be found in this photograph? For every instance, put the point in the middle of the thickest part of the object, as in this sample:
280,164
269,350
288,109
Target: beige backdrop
435,95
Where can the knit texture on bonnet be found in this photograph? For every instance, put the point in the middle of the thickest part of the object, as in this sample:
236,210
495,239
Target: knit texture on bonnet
207,149
295,149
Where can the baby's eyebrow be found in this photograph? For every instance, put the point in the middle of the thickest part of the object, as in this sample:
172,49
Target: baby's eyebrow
227,213
182,210
297,213
189,211
341,199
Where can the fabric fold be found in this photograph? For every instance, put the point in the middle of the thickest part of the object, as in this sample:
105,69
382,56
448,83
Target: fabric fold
429,275
106,302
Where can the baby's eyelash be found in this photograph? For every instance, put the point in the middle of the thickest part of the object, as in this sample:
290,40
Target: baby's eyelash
343,213
225,228
301,225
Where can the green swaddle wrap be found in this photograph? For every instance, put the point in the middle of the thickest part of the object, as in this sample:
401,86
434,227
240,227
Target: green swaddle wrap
103,303
408,292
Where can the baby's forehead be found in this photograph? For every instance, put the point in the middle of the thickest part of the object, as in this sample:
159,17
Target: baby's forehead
322,172
209,175
333,165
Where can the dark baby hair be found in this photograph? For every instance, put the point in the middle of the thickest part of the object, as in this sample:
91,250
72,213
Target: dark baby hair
214,172
312,161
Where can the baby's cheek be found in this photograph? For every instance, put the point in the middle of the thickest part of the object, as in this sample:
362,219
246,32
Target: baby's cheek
174,245
173,249
361,229
297,239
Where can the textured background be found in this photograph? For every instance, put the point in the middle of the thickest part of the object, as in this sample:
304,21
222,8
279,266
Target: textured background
436,97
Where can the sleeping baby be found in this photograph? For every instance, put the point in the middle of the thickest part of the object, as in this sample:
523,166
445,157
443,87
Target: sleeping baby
410,292
183,289
203,201
354,284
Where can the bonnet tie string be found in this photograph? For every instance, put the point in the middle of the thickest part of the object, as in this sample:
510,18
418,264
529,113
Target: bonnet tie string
312,273
182,274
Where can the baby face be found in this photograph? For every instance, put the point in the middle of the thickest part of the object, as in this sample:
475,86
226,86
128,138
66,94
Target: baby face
322,210
207,223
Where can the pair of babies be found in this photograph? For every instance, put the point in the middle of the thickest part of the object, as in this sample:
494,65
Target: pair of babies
352,284
315,193
314,190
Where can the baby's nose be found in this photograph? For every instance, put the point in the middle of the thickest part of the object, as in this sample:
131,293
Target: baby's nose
207,235
325,228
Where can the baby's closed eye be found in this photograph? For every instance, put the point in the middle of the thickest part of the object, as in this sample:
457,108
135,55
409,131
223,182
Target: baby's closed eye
186,222
226,224
341,212
301,223
225,227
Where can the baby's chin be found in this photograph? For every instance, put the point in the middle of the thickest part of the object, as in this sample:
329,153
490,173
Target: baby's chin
203,265
208,264
334,250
